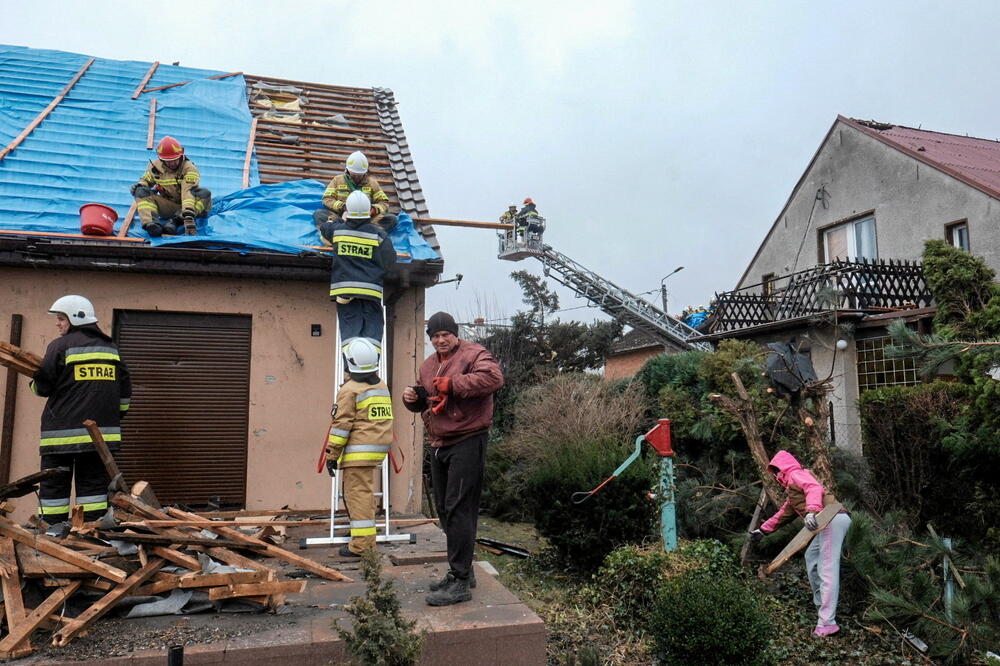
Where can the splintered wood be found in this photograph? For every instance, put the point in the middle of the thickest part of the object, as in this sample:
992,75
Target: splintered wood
19,360
142,545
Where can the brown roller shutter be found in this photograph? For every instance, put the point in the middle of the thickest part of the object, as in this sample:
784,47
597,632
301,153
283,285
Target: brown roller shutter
186,431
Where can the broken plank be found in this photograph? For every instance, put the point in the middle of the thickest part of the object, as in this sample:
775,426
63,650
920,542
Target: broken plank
105,454
165,583
35,564
34,619
124,501
256,589
144,491
106,603
29,484
11,586
273,551
161,540
176,557
222,579
46,545
802,539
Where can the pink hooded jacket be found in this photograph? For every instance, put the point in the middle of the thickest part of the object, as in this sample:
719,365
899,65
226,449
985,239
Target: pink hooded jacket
804,493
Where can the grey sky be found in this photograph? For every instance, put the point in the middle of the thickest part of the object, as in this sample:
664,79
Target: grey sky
650,134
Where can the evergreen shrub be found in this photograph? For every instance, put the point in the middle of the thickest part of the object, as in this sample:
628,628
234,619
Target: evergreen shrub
703,618
581,535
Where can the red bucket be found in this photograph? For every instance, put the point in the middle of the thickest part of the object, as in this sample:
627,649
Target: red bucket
97,219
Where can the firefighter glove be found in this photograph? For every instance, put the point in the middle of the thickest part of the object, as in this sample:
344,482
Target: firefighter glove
331,466
373,211
140,190
442,384
756,536
811,523
438,403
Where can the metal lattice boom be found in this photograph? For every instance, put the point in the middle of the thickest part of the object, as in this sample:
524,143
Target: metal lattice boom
619,303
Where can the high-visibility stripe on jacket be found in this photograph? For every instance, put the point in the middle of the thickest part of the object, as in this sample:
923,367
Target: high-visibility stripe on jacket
173,184
83,377
336,193
363,254
361,433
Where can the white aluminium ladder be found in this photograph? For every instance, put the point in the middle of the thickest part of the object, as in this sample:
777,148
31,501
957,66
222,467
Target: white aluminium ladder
336,493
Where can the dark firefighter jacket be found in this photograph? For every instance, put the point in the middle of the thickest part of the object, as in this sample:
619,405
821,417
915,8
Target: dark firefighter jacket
361,432
83,378
362,255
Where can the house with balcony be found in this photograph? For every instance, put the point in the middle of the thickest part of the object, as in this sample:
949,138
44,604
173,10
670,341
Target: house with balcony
842,258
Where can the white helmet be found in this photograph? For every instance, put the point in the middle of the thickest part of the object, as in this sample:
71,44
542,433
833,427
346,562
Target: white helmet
357,163
77,309
362,356
359,206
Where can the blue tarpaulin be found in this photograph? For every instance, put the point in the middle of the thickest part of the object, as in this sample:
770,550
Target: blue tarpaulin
278,217
92,147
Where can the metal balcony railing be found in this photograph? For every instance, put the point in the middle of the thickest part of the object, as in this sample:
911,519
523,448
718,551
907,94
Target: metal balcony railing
867,285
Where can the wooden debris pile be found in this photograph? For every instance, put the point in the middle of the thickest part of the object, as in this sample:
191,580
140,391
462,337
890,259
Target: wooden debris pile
134,555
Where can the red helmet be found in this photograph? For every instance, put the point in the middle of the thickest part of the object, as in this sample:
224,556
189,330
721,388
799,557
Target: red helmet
169,148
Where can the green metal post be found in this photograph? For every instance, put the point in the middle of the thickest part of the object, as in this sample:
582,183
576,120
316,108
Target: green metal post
668,511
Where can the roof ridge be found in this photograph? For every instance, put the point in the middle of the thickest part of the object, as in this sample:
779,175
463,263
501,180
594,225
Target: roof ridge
867,124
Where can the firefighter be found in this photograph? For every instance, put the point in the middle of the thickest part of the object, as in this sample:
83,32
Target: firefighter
169,194
355,178
360,438
83,378
363,254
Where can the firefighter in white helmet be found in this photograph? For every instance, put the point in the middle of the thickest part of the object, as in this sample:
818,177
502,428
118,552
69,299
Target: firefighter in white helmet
355,178
83,377
363,254
360,438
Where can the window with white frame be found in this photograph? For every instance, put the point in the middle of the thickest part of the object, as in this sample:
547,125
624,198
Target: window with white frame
957,234
851,240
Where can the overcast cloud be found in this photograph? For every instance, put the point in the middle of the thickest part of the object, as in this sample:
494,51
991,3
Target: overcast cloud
650,134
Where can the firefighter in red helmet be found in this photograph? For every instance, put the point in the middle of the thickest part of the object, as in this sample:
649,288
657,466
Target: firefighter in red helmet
169,194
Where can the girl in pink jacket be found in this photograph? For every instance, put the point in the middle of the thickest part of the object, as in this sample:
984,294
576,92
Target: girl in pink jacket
805,496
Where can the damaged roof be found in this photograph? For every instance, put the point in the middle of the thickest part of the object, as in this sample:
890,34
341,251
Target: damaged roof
972,160
61,114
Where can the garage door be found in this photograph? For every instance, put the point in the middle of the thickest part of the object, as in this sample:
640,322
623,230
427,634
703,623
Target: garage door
186,431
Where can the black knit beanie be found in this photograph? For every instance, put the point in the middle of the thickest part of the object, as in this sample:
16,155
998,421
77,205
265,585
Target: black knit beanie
441,321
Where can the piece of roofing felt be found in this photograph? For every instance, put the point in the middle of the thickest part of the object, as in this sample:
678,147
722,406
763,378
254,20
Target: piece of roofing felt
973,160
93,146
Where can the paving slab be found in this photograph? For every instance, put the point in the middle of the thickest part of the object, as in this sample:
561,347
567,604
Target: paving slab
495,627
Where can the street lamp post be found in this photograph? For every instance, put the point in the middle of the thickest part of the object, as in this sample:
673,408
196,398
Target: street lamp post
663,287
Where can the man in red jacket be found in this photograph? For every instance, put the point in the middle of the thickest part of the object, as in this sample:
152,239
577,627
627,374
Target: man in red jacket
455,397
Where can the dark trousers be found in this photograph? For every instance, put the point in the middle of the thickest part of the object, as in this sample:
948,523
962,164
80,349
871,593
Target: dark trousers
91,486
361,318
457,475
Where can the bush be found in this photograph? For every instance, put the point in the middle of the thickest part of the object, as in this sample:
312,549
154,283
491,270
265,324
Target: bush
628,580
581,535
567,409
700,618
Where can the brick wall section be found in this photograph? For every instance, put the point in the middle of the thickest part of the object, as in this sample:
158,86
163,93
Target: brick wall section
629,363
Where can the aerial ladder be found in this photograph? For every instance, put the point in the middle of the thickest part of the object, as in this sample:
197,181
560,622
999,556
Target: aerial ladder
523,238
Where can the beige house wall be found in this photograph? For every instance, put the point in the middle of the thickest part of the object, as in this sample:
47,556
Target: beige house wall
291,374
912,202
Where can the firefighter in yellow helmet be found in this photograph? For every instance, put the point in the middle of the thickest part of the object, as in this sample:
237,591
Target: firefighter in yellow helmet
356,177
360,438
169,194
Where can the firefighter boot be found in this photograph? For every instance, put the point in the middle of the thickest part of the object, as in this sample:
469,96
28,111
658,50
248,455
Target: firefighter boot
454,592
448,577
154,229
189,226
170,227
